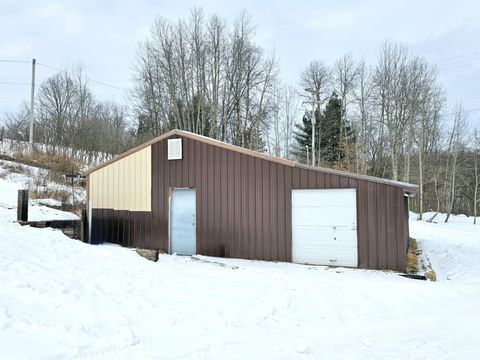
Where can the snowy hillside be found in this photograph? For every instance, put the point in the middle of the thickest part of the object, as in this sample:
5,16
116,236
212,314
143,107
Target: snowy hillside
14,147
16,176
60,298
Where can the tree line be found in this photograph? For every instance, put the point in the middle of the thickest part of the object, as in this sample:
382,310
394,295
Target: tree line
68,118
203,74
392,122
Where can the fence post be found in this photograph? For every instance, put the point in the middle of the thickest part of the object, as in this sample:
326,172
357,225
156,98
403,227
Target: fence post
84,226
22,205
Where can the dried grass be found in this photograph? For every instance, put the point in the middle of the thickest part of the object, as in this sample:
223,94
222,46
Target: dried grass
48,160
412,257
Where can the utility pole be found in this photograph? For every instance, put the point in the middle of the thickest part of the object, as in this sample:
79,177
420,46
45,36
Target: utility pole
32,104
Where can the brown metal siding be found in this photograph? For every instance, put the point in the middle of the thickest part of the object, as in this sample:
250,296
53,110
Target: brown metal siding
362,224
372,224
381,226
244,207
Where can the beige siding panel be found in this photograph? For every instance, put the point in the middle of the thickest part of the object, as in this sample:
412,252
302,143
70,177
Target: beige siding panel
125,184
143,188
149,176
129,195
95,186
136,173
92,188
100,189
102,199
147,185
140,160
112,190
118,195
108,181
92,183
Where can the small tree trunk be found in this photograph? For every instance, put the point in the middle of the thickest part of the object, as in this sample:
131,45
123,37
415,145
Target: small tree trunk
420,183
452,188
475,192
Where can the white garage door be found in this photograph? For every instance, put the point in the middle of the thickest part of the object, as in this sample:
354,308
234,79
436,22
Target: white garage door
324,227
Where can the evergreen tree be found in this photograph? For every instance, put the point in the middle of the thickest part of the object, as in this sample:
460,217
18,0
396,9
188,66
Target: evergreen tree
303,136
144,127
328,128
333,151
330,141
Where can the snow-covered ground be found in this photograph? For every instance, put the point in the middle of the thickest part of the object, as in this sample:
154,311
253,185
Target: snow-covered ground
62,299
452,248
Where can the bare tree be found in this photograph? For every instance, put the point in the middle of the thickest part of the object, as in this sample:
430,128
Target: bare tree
365,142
476,165
16,123
454,146
390,82
345,78
427,102
291,112
315,80
71,121
197,75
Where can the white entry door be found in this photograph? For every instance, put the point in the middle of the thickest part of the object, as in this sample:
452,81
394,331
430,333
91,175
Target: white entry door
324,227
182,222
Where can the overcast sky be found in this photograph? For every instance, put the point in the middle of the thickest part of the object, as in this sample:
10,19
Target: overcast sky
102,36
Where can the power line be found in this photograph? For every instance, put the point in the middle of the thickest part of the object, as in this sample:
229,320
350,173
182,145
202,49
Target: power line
459,61
60,70
458,56
14,61
463,111
86,77
13,83
478,109
48,66
459,65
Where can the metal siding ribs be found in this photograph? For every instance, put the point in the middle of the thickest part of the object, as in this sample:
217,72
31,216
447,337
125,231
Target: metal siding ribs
244,206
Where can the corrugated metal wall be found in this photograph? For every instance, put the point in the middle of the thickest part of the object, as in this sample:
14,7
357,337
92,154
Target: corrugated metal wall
124,184
244,207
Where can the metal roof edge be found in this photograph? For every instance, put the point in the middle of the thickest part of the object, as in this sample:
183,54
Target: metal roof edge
408,188
131,151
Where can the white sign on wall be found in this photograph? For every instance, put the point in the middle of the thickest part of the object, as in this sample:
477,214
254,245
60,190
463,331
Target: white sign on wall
174,149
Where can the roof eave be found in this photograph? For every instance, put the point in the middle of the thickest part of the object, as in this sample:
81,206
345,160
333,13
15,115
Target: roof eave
409,189
131,151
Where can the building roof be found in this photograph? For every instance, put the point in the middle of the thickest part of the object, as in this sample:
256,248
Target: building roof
408,188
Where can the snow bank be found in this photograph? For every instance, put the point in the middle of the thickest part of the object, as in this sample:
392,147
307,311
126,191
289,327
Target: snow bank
452,248
47,202
8,202
440,218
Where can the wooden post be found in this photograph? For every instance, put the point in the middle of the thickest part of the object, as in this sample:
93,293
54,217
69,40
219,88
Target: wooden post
84,226
22,205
